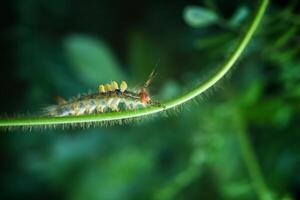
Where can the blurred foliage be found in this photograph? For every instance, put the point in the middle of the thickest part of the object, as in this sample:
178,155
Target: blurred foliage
200,151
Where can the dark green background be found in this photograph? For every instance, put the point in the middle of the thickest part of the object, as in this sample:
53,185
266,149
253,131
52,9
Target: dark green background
200,150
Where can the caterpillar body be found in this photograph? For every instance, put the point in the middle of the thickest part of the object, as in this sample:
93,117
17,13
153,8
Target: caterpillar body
109,98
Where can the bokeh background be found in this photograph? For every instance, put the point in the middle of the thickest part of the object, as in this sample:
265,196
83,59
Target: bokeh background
240,140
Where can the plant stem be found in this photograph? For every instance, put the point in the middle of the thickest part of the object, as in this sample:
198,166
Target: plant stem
114,116
258,181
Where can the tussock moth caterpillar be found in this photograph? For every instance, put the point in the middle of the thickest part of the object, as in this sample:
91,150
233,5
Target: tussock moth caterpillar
110,97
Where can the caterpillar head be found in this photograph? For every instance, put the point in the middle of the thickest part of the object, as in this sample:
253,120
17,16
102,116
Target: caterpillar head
144,94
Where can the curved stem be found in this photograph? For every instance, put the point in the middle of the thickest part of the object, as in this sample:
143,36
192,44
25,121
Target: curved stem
42,121
258,180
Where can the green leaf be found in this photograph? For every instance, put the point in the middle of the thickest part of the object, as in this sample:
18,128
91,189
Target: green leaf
197,16
91,60
239,16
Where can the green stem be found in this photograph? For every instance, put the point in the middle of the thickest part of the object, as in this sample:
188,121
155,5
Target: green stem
111,117
258,181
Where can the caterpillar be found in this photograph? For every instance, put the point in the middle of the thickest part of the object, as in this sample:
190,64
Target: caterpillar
110,97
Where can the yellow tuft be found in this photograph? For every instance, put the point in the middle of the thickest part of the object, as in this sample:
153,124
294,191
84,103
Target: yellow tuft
123,86
107,87
114,85
101,88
